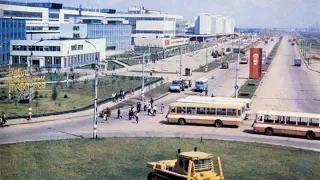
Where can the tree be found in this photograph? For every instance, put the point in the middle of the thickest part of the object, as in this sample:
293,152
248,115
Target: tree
54,94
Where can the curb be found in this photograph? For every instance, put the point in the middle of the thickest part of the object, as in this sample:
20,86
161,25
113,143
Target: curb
305,62
80,116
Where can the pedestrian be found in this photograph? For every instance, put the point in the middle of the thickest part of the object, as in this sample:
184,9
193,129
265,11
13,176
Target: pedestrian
4,120
212,95
130,114
206,91
132,91
155,110
149,109
114,68
162,108
105,116
119,114
137,117
151,101
145,107
113,97
138,106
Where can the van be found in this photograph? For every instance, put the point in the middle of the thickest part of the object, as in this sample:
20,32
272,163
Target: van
297,62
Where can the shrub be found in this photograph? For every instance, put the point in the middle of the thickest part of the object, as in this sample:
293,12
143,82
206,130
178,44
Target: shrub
54,94
37,104
40,96
36,95
65,96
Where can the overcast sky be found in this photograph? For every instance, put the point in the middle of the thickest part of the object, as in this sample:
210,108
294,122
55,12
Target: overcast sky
247,13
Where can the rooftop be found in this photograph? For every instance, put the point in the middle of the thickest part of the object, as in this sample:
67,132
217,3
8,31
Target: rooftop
193,154
57,6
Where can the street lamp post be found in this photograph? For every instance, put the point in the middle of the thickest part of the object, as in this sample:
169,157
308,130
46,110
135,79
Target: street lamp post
236,87
30,79
95,110
180,62
142,90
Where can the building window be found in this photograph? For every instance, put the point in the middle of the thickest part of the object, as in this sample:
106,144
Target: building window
53,15
22,14
15,59
57,60
48,60
53,28
23,60
76,35
76,28
80,47
73,47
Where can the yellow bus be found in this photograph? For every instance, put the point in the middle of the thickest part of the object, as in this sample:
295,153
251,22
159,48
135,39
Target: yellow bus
204,99
214,113
288,123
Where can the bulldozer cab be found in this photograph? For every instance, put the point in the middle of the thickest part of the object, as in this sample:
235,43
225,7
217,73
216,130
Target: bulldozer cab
194,164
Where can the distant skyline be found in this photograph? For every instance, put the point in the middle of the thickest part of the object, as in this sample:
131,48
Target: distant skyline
246,13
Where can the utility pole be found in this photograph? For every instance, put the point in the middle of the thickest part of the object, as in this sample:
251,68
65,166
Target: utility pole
180,62
95,110
30,86
236,87
206,67
142,90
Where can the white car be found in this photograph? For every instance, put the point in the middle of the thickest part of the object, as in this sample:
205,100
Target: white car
154,69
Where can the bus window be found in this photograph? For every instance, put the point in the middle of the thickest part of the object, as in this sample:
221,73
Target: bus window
191,110
221,112
239,113
211,111
231,112
201,110
173,110
302,121
181,110
314,122
268,118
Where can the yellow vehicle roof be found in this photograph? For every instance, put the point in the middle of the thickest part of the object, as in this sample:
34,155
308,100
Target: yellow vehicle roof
193,154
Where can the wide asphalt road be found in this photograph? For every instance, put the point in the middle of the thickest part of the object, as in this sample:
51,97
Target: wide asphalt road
149,126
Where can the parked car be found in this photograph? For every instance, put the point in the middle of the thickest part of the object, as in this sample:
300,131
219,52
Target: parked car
244,60
154,69
228,50
176,86
297,62
225,65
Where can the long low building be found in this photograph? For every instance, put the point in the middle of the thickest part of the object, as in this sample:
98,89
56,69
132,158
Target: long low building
160,42
57,53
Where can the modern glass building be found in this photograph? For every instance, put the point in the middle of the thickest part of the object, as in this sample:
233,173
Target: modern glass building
118,37
10,29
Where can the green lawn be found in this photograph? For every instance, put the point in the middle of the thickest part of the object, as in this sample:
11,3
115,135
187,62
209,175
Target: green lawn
126,158
79,94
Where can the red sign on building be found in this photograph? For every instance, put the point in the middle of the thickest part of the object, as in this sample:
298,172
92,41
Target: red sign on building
255,66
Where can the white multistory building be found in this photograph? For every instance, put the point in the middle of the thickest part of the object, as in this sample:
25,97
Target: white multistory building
152,23
207,24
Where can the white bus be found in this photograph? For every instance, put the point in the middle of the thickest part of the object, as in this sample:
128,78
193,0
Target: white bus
216,113
288,123
201,84
204,99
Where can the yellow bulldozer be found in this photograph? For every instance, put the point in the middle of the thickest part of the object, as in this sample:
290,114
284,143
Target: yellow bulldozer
192,165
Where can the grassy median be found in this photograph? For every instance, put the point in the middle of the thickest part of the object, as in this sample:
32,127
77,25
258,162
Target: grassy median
125,158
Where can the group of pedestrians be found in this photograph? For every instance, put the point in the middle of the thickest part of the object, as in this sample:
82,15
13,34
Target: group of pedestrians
116,97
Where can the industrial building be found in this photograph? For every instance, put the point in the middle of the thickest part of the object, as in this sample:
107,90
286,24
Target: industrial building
57,53
10,29
152,23
161,42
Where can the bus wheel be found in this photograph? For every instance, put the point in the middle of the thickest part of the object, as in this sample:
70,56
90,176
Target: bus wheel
181,121
311,135
269,131
218,123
